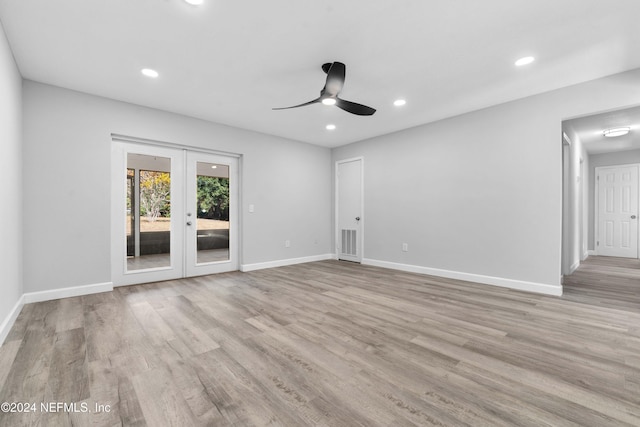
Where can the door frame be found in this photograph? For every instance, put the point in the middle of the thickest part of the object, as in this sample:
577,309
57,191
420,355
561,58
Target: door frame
119,274
337,207
596,206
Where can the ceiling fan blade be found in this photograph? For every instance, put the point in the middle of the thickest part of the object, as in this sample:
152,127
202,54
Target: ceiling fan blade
352,107
335,79
301,105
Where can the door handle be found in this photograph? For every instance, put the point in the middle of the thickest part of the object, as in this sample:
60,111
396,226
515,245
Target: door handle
633,217
357,218
188,222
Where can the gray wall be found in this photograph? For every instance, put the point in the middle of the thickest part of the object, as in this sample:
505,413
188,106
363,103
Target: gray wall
479,193
598,160
10,177
67,183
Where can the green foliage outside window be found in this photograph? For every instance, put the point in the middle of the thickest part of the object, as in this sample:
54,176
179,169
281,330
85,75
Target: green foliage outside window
155,195
213,198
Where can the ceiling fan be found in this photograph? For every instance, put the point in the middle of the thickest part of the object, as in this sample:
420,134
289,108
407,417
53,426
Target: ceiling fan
329,94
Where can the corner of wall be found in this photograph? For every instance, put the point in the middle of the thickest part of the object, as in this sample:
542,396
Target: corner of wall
11,167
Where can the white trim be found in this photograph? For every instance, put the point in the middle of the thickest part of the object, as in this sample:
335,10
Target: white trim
574,267
540,288
137,140
8,322
74,291
591,252
284,262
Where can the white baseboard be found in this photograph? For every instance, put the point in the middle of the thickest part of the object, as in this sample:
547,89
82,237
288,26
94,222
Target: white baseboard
8,322
540,288
74,291
591,252
574,267
284,262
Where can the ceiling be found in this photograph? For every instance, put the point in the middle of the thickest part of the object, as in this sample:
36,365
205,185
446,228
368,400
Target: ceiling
589,129
231,62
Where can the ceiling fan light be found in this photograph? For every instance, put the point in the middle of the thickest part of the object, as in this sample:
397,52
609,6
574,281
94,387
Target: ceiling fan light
330,127
399,102
613,132
329,101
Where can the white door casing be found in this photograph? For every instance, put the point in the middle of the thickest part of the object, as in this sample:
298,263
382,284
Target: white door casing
349,209
617,211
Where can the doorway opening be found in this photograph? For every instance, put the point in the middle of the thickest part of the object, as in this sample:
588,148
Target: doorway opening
585,201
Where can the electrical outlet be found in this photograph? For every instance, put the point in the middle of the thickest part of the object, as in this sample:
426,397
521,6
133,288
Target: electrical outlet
405,247
287,243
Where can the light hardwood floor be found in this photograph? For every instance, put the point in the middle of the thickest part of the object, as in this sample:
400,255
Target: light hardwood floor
333,343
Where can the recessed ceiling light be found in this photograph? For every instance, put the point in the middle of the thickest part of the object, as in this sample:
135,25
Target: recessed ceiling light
399,102
214,167
195,2
329,101
331,127
149,72
524,61
610,133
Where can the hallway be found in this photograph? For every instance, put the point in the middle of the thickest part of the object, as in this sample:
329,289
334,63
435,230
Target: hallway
608,281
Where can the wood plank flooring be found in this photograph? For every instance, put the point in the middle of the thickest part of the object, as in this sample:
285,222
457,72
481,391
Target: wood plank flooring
333,344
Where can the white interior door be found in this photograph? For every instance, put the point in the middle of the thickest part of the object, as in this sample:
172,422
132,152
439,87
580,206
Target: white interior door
211,214
349,209
174,213
617,211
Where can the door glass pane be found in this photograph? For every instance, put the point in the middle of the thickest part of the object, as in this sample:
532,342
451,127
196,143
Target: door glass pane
148,212
212,212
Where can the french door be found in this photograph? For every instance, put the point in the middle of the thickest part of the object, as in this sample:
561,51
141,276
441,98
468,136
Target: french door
174,213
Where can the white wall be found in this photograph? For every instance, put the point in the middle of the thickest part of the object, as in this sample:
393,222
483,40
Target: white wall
10,190
480,194
67,169
598,160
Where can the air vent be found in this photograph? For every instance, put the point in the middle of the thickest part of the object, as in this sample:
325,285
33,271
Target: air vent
348,245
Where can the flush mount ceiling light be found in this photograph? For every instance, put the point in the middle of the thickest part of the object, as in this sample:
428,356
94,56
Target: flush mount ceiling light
525,61
613,132
329,101
194,2
149,73
399,102
330,127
